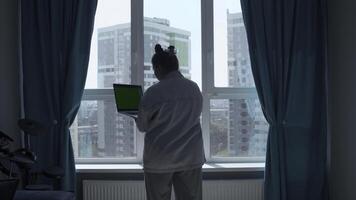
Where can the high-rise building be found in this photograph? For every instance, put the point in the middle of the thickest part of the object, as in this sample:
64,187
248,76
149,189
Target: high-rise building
157,30
247,128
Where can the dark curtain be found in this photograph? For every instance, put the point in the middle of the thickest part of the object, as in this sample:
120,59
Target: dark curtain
288,51
56,38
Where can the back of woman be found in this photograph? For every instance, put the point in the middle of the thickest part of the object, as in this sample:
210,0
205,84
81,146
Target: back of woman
169,115
173,139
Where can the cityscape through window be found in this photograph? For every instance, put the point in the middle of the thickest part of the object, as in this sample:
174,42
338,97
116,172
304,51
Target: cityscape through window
236,125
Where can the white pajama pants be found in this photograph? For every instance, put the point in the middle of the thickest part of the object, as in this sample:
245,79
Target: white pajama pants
187,185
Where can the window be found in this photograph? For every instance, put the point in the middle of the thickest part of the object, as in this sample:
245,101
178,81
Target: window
233,121
98,133
92,121
233,125
125,33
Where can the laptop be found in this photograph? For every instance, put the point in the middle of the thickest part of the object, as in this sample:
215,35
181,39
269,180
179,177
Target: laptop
127,98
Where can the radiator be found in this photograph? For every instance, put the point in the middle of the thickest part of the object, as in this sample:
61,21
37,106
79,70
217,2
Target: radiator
135,190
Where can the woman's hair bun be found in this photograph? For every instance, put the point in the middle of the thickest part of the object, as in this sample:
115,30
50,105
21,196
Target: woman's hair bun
158,48
165,58
171,50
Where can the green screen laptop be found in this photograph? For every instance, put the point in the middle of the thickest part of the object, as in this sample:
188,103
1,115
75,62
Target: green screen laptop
127,98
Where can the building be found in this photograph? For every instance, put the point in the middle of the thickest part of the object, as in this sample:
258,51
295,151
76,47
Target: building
247,133
219,124
84,131
157,30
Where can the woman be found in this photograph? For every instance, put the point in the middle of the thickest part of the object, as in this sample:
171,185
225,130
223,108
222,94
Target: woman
169,114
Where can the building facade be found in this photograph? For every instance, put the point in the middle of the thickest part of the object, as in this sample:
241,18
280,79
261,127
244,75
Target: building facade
247,133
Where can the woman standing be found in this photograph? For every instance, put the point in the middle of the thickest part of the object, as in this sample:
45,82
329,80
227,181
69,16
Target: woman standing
169,114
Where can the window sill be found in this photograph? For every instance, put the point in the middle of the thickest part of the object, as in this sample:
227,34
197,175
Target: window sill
137,168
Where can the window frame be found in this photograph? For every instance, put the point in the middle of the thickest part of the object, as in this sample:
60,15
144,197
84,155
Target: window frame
209,90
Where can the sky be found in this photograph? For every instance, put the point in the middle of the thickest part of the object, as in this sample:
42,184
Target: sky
183,14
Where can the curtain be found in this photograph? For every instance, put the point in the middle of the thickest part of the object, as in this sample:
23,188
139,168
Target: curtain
56,38
287,44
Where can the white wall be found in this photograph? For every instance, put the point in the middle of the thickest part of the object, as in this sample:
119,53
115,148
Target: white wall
342,62
9,96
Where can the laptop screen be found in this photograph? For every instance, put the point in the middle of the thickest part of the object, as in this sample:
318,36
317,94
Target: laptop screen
127,97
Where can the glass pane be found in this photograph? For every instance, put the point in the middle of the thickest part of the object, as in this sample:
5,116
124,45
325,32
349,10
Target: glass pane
237,128
180,27
232,66
110,59
100,132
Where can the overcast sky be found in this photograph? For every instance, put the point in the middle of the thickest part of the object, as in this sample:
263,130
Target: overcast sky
183,14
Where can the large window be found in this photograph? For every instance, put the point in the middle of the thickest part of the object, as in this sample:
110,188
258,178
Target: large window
212,48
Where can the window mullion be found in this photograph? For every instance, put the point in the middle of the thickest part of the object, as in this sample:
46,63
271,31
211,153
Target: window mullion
137,58
207,68
137,50
207,12
97,94
234,93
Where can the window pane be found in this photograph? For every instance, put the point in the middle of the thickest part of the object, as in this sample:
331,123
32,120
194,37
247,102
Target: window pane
100,132
110,59
231,55
180,27
237,128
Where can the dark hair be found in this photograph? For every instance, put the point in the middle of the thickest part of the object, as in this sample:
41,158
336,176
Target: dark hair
167,59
